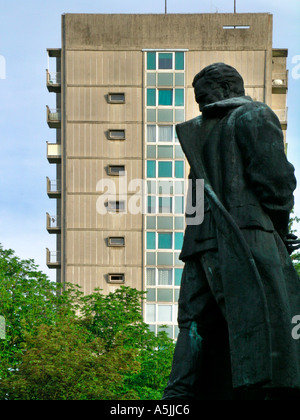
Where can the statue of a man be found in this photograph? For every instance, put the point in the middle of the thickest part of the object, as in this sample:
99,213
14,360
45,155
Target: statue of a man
239,290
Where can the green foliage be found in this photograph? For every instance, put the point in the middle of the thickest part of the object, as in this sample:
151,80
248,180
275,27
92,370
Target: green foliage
62,345
296,254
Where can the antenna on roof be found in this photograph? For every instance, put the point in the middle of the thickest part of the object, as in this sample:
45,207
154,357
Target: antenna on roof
234,6
165,6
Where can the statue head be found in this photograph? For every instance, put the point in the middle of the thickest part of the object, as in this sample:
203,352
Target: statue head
216,82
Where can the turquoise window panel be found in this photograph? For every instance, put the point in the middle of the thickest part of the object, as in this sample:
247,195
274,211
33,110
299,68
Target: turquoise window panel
165,61
165,115
151,61
179,61
179,97
165,97
165,241
164,222
151,207
179,115
179,205
151,258
151,240
151,79
179,79
164,258
150,276
151,169
165,169
164,295
151,97
165,205
178,275
178,152
165,152
151,295
179,223
179,169
151,152
178,240
165,79
151,222
151,116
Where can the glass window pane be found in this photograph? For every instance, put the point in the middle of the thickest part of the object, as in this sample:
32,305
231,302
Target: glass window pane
179,205
151,208
164,258
179,61
168,330
150,276
151,61
151,115
178,152
178,275
165,61
165,187
178,240
151,260
151,79
151,240
151,152
165,115
179,187
151,168
179,166
165,79
165,152
179,223
150,313
179,79
151,133
165,133
151,97
165,277
164,313
164,295
165,97
151,295
151,187
179,97
165,205
176,295
164,241
151,222
164,222
177,261
165,169
179,115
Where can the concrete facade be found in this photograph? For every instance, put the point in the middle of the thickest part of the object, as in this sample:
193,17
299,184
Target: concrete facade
102,55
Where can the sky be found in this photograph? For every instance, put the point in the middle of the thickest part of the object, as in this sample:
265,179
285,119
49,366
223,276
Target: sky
27,29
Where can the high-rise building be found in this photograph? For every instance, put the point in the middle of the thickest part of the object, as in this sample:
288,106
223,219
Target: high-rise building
120,84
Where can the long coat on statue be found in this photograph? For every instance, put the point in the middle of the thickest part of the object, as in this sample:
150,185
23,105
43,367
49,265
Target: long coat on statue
239,144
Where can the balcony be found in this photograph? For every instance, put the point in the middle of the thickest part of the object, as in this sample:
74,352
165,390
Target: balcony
282,116
280,82
53,117
53,224
53,259
53,80
53,188
53,152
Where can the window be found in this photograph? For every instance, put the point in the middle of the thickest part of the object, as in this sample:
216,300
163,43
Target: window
116,98
116,241
165,97
116,278
165,240
151,133
151,97
151,240
165,169
116,170
151,168
116,134
165,133
165,61
116,206
165,205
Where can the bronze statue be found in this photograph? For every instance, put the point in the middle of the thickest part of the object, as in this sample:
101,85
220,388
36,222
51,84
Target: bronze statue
239,290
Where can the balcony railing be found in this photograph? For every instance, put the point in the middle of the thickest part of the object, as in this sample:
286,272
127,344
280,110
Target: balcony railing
53,259
53,117
53,81
53,224
279,81
53,188
53,152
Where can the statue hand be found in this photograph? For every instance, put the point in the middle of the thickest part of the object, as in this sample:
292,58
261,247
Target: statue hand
291,242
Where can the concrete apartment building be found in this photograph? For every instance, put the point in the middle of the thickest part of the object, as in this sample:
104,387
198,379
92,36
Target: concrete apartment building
119,84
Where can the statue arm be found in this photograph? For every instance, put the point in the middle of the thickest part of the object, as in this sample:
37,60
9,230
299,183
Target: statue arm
271,176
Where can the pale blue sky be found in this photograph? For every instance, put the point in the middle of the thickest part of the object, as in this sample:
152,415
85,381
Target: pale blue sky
27,29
